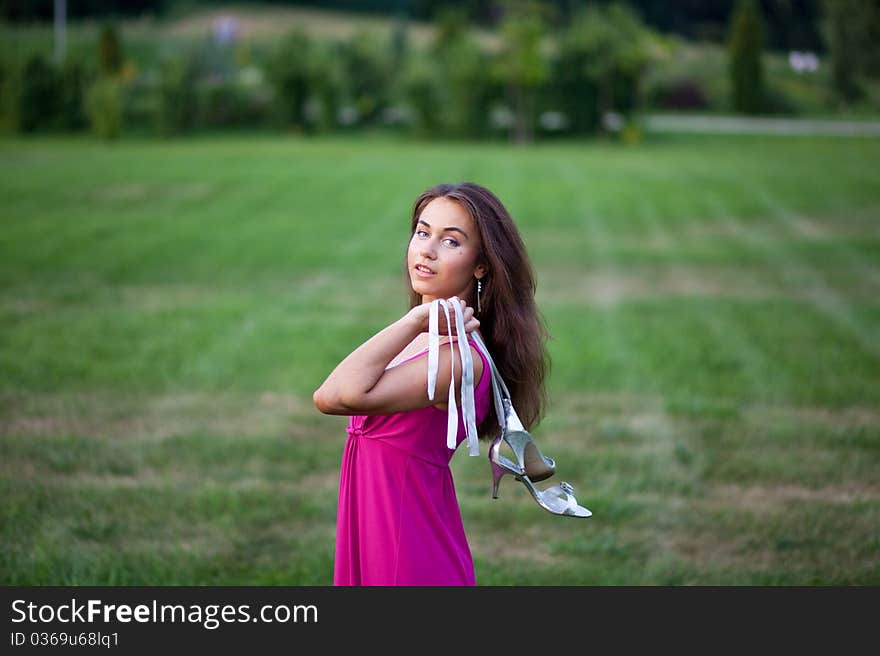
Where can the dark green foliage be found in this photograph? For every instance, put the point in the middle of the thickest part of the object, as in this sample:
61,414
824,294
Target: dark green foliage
38,96
854,40
522,66
367,67
140,103
399,45
71,101
109,51
226,104
422,86
450,89
471,88
290,74
219,104
791,24
464,84
36,101
571,89
104,105
422,92
679,94
328,79
177,100
602,56
4,93
746,67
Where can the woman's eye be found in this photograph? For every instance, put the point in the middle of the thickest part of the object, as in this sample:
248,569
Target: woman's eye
454,243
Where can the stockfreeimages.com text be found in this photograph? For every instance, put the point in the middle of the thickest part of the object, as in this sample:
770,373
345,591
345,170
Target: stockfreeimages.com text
210,616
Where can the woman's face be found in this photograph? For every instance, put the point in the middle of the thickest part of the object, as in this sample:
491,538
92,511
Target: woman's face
447,242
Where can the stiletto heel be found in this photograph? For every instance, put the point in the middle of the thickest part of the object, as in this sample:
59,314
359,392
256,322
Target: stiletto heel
500,465
535,464
497,473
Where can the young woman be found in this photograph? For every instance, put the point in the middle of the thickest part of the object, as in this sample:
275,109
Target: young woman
398,520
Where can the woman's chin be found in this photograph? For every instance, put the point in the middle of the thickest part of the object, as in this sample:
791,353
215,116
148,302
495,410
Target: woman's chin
422,286
430,288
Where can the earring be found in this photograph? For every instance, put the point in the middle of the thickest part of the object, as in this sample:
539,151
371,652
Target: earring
479,288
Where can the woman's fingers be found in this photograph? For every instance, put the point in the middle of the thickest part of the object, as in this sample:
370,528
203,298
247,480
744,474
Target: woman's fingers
468,319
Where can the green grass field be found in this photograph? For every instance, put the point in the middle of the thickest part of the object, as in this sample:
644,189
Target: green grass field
168,308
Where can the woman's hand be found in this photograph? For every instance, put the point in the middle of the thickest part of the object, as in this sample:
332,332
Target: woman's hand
419,316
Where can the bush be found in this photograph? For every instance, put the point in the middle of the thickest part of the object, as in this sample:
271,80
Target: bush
72,114
450,89
5,88
328,80
776,101
853,35
219,104
104,107
468,87
521,65
140,103
228,104
290,74
680,94
177,102
422,93
601,59
367,73
34,96
109,52
572,91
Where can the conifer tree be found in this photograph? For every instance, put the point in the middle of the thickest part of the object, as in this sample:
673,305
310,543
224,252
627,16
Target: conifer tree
746,67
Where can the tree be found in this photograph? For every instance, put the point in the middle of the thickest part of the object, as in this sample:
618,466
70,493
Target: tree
71,96
109,52
33,95
178,104
367,65
521,65
327,84
601,57
289,71
104,108
460,78
746,68
853,35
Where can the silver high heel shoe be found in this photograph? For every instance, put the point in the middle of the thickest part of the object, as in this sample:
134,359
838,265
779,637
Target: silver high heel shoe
559,499
531,464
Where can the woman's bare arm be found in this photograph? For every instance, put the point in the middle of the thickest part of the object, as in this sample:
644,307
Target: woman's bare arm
356,375
347,389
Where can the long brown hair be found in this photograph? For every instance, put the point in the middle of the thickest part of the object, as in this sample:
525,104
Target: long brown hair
511,325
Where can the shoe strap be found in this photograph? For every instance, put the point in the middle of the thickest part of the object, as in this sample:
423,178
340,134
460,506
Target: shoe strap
506,415
468,404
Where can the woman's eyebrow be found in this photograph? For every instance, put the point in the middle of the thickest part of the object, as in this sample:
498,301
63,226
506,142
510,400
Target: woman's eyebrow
447,229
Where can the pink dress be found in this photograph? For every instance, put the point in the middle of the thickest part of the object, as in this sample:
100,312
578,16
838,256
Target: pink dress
398,521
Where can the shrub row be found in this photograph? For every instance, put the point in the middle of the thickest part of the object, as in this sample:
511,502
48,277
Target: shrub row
453,88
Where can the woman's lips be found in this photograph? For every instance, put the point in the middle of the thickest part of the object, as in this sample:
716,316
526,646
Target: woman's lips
421,273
